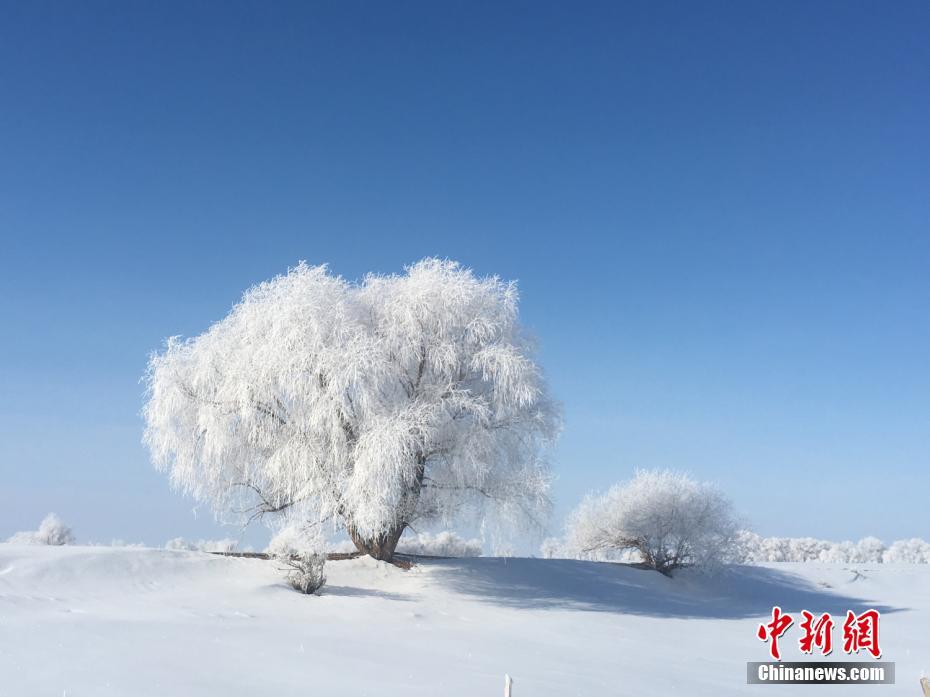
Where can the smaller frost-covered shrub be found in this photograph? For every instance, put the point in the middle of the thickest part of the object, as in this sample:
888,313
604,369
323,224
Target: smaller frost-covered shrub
553,548
223,546
300,549
305,572
668,518
52,531
442,544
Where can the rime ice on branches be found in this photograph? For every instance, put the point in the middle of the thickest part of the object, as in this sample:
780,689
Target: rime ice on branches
374,404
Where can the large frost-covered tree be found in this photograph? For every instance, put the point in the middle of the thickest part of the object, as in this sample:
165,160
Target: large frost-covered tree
374,404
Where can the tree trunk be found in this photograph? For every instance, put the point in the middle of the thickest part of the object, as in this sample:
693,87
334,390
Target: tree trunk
381,547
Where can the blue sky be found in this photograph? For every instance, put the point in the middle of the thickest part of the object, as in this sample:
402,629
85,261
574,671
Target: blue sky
718,214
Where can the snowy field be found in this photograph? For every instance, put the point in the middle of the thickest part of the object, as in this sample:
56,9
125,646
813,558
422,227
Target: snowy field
96,621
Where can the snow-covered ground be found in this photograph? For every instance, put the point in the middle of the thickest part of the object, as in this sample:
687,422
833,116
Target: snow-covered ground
96,621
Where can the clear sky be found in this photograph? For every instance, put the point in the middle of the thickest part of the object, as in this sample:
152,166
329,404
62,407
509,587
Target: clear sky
718,215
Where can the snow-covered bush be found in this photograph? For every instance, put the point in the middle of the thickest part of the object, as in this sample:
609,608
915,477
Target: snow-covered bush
376,405
553,548
870,550
224,546
746,546
807,548
305,572
52,531
836,553
750,547
668,518
442,544
913,551
300,549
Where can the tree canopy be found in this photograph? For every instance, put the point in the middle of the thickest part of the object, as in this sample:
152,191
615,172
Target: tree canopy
374,404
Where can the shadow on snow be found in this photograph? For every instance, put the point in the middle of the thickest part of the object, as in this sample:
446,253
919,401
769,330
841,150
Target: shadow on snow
559,584
355,592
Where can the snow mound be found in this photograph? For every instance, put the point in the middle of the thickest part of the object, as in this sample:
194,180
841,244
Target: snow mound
151,622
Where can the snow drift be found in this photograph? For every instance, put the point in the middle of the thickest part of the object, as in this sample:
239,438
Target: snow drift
126,621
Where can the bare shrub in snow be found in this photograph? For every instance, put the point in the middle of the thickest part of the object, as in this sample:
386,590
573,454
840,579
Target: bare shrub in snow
668,518
376,404
224,546
442,544
305,572
52,531
299,548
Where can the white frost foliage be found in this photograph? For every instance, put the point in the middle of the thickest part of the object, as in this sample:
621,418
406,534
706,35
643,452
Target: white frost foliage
52,531
553,548
751,547
305,572
840,553
668,518
300,549
225,545
871,550
561,548
341,547
442,544
780,549
297,538
914,551
377,404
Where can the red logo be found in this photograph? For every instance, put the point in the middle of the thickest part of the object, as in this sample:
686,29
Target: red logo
774,629
817,634
860,632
